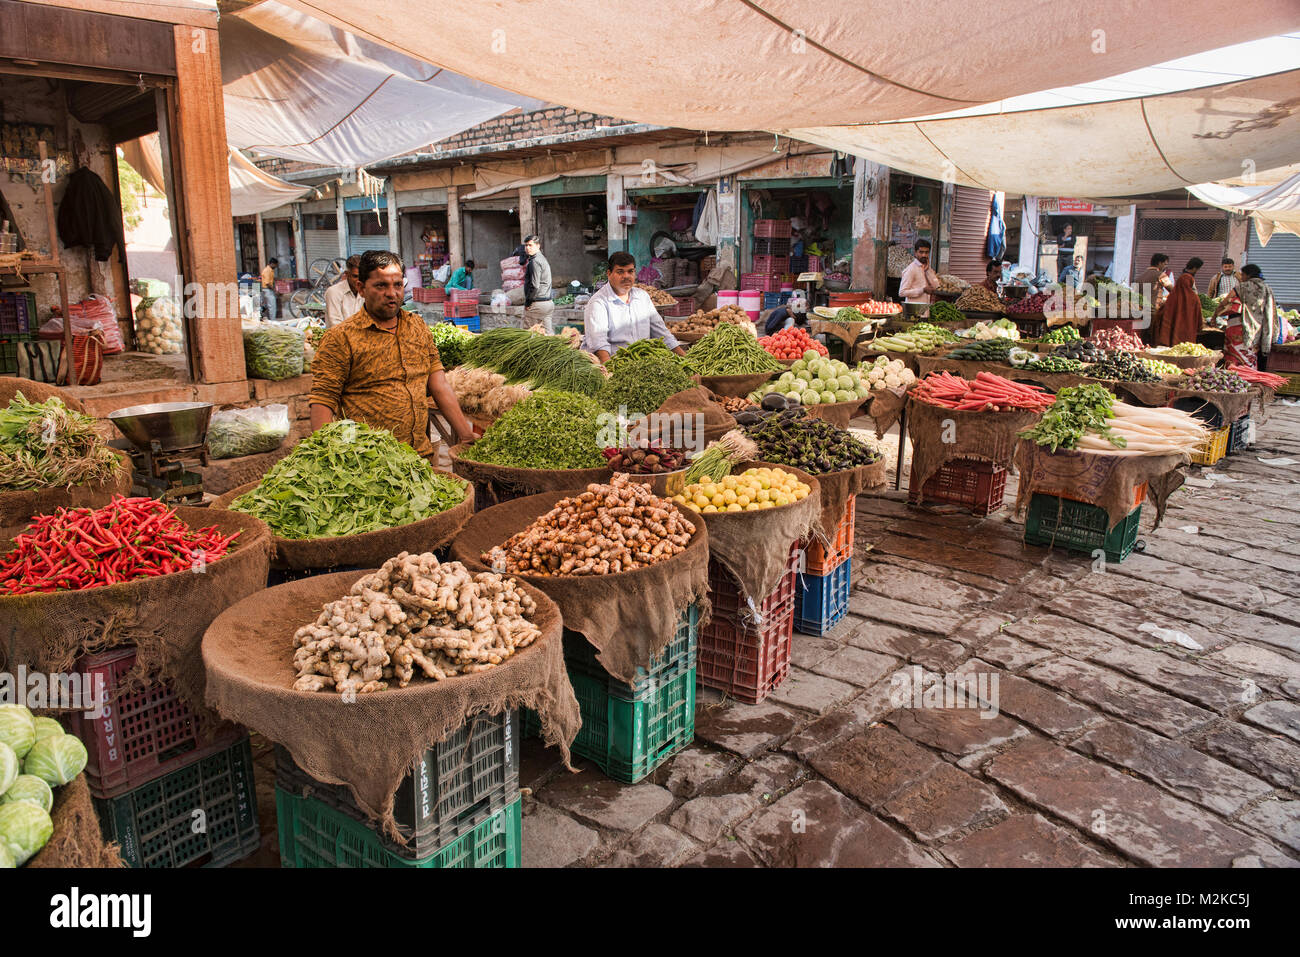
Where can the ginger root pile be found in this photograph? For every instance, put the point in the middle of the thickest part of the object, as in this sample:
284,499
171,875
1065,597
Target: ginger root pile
413,616
608,528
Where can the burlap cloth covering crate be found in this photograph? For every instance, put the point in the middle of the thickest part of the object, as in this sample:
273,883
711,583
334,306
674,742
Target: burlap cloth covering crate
1109,481
1231,405
77,840
628,617
368,548
885,407
836,488
370,742
164,617
717,420
34,391
838,414
846,332
755,546
1186,362
734,386
990,436
19,505
502,482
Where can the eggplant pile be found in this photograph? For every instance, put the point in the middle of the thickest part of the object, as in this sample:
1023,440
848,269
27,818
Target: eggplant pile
795,438
648,461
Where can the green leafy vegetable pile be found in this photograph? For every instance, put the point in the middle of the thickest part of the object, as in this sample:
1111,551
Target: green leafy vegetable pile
730,350
345,479
540,361
451,341
1077,409
548,430
641,384
46,445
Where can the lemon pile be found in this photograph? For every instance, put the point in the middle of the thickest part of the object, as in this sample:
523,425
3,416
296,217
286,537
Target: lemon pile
749,491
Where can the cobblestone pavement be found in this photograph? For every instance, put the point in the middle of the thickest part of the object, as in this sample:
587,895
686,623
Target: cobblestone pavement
1148,713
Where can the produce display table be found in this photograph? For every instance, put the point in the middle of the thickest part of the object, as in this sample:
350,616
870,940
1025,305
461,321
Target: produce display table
1186,362
1230,405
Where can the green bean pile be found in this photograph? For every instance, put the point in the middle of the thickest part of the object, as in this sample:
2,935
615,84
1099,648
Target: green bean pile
730,350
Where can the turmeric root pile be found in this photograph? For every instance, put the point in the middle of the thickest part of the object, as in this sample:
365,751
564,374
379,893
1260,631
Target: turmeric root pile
608,528
413,616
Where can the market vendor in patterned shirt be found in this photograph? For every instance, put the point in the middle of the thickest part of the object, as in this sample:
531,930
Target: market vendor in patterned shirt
380,366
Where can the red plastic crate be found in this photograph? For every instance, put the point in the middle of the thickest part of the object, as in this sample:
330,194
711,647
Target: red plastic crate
771,247
728,603
462,295
283,287
977,484
772,229
680,309
747,663
1284,360
140,735
761,281
459,310
771,264
432,294
819,561
814,264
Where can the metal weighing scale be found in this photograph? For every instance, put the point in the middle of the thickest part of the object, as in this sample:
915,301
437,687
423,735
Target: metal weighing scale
165,441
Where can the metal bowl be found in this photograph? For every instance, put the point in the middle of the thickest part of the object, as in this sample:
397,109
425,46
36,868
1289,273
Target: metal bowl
175,425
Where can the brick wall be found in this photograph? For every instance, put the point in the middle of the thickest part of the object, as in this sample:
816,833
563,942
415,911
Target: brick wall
510,127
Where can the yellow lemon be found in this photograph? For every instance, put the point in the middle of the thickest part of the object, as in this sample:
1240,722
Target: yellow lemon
764,494
742,500
701,499
733,507
767,504
718,500
751,507
709,509
800,494
729,496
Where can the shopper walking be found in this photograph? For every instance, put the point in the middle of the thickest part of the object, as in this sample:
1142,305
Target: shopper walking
538,306
268,289
1179,319
1253,329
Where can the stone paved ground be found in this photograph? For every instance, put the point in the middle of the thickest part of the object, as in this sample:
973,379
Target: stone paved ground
1113,744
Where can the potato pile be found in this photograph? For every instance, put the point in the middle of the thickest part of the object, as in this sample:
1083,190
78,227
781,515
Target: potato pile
657,296
607,529
413,615
702,323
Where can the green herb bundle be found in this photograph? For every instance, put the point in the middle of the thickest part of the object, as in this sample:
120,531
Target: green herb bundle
730,350
451,341
643,349
640,385
542,362
345,479
1076,411
47,445
548,430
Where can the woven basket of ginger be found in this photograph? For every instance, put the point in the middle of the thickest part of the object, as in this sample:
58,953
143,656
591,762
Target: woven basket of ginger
607,529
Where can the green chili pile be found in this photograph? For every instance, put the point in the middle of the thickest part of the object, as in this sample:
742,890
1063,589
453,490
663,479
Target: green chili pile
730,350
46,445
548,430
643,349
345,479
540,361
273,352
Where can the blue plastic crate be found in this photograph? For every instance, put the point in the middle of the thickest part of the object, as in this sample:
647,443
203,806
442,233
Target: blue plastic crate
472,323
822,601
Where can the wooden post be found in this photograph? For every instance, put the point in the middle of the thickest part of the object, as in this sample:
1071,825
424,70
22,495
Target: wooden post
527,219
59,269
201,160
261,240
394,240
299,241
455,234
870,226
341,214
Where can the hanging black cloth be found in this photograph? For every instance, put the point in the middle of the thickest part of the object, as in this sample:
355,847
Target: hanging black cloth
90,215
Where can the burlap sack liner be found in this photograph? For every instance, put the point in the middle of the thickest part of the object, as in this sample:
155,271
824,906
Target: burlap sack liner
1230,405
516,481
734,386
836,490
1109,481
885,407
371,743
838,414
754,547
989,436
628,617
1186,362
164,617
77,840
368,548
717,420
19,505
34,391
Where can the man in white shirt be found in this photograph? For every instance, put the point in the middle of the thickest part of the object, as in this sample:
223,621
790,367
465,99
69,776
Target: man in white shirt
919,281
620,314
343,299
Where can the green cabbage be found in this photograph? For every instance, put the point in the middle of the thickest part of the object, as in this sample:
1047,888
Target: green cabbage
16,728
46,727
28,787
56,760
6,857
8,767
24,829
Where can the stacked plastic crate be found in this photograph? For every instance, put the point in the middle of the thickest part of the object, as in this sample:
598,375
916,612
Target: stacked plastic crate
17,324
459,807
771,256
461,307
629,730
170,793
822,589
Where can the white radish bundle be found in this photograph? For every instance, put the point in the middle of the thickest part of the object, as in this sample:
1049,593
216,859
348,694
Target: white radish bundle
1147,432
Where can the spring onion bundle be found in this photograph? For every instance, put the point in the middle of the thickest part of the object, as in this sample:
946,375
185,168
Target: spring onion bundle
540,361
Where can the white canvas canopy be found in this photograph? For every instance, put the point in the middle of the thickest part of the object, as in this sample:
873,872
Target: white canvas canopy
787,64
1274,208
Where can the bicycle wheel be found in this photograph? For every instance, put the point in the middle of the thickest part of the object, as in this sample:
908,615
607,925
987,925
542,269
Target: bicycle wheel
319,268
335,271
298,303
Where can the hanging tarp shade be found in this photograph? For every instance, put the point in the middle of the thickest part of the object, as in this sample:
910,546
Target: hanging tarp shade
1274,208
1117,148
300,89
759,64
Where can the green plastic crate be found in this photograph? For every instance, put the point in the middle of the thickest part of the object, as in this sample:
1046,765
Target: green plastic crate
313,834
1080,527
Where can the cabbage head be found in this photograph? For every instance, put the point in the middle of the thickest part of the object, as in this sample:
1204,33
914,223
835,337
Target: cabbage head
46,727
7,858
28,787
16,728
8,767
24,829
56,760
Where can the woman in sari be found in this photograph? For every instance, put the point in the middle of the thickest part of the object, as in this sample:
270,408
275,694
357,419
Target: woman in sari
1179,319
1253,320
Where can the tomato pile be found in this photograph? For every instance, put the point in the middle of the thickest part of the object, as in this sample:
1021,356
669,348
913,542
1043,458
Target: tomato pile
791,343
988,393
128,538
875,307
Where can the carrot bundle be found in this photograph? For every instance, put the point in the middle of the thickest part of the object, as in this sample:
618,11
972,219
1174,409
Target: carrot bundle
988,393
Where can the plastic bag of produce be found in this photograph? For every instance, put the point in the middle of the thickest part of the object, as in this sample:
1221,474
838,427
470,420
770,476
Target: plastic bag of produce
272,352
236,432
158,325
151,288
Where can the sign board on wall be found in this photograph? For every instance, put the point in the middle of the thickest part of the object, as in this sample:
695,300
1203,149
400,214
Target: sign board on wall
1053,206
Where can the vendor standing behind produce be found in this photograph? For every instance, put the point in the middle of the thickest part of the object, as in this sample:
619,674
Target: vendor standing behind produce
620,314
919,282
992,276
378,366
462,278
343,299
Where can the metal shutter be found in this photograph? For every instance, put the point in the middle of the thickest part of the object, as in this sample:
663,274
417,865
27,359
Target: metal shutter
969,233
360,244
1182,235
321,244
1279,261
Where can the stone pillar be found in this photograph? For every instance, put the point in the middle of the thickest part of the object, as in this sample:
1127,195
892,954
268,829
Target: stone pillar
455,235
394,238
1125,240
870,226
342,216
615,196
1028,254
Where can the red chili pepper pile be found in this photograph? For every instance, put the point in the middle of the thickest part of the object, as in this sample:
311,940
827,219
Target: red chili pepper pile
1263,378
988,393
791,343
126,539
